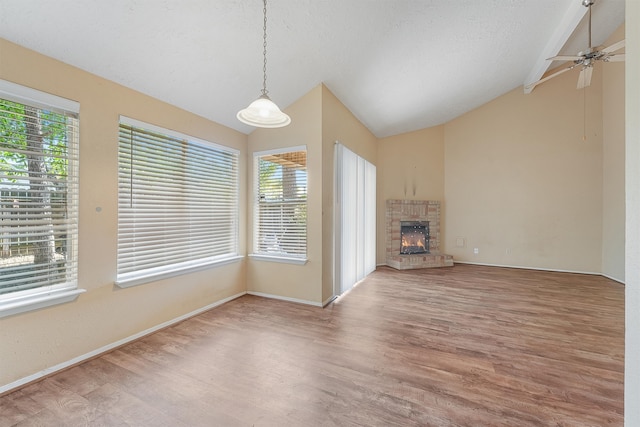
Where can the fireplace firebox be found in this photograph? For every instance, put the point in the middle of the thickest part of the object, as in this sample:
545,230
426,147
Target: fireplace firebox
414,237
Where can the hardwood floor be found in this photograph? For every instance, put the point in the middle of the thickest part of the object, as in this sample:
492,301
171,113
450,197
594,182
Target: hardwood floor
461,346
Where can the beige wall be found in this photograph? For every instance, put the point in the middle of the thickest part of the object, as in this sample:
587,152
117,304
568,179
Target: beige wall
613,204
318,119
338,124
518,181
411,166
522,185
34,341
298,282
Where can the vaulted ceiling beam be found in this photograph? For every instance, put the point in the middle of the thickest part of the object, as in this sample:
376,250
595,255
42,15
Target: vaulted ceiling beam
572,17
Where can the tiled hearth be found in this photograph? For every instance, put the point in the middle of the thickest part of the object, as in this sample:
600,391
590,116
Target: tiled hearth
414,210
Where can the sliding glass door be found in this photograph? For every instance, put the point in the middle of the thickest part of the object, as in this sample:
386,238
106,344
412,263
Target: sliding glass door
355,218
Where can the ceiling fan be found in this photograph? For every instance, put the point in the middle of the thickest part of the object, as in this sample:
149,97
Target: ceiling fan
585,59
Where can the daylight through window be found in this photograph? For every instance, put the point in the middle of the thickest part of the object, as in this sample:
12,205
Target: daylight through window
177,203
38,194
281,203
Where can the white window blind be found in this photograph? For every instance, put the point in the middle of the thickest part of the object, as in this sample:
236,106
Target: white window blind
177,203
280,207
38,197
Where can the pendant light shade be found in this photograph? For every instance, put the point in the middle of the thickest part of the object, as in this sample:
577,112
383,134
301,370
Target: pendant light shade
263,112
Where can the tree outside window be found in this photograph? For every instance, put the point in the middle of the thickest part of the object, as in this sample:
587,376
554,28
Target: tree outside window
37,228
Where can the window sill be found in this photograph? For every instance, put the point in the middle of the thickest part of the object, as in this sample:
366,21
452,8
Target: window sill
134,279
12,306
281,259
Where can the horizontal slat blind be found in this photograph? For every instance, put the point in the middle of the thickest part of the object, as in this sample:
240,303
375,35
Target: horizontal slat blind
177,202
281,204
38,196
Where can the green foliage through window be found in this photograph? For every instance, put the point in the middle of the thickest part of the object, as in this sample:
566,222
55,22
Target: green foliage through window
281,205
37,196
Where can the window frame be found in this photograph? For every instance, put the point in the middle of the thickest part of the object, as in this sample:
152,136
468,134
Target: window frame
278,256
139,277
13,303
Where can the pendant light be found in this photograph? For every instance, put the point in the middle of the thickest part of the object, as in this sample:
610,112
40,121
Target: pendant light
263,112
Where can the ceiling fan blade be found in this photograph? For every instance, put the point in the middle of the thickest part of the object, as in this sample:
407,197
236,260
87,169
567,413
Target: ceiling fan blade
584,79
615,58
566,58
550,76
613,47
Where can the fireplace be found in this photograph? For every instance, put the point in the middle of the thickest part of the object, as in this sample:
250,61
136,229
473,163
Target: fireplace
414,237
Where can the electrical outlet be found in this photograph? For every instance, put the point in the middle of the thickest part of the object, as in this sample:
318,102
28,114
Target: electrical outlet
476,251
459,242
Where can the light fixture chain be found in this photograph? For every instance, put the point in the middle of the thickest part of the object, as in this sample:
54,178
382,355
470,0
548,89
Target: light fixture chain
263,112
264,51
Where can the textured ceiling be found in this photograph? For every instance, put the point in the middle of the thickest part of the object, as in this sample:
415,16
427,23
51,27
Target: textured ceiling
398,65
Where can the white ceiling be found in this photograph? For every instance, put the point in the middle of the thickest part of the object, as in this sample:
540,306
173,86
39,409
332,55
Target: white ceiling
398,65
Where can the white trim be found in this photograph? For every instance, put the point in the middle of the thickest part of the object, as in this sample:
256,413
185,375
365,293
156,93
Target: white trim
283,258
137,279
592,273
613,278
23,94
299,301
49,294
280,150
104,349
276,258
173,133
31,302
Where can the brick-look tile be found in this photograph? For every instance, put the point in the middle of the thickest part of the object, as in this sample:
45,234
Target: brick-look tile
414,210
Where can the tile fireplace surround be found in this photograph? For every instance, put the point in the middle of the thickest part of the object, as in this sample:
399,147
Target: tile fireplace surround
414,210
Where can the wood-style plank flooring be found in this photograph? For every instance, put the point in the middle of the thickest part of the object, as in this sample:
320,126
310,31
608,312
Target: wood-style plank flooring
461,346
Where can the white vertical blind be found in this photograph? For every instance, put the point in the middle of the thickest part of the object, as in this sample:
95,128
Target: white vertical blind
38,192
280,204
370,226
177,202
355,218
360,218
347,192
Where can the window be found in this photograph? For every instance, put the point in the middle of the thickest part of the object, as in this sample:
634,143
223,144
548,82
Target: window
38,199
177,203
280,207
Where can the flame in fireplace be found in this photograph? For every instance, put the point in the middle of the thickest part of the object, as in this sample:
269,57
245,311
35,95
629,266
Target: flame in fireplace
412,240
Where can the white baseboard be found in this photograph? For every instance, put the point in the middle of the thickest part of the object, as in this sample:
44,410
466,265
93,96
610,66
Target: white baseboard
593,273
104,349
613,278
300,301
